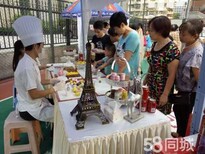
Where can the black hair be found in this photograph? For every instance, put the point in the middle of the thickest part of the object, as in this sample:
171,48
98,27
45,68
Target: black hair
98,25
193,26
174,27
111,47
18,52
117,19
161,24
105,23
171,38
112,32
133,26
30,47
139,25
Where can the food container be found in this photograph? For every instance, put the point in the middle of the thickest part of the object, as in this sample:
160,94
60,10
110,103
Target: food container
68,53
119,95
115,95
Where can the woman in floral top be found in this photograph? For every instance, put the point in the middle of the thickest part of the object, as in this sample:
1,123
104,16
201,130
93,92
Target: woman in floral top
163,62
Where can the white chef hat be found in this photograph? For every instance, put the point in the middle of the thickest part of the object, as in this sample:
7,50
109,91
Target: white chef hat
29,29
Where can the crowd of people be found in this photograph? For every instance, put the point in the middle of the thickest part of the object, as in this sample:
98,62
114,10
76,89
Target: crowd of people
174,55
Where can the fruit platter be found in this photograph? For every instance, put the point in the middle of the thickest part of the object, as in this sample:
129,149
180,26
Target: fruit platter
75,86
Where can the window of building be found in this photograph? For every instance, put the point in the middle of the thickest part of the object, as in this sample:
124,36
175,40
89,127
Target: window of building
137,6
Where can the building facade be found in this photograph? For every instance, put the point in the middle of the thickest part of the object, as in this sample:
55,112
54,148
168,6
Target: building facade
149,8
197,5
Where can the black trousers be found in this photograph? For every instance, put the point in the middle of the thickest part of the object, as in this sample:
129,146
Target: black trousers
26,116
182,113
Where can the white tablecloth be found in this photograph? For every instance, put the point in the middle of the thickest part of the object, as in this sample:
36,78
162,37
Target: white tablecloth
114,138
82,73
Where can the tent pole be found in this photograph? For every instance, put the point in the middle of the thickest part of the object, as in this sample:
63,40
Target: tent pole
82,25
187,10
67,32
51,30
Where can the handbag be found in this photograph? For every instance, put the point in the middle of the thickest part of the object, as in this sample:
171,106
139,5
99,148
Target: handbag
182,98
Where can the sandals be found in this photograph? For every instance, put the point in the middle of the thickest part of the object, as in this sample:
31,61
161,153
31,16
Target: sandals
175,135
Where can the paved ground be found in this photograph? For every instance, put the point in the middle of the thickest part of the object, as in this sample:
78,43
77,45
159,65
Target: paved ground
6,88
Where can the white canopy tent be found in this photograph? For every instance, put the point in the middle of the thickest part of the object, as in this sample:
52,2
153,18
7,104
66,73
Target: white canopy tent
86,7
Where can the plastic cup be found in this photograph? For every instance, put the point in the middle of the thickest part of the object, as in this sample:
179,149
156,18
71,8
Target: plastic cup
76,57
92,56
122,76
80,57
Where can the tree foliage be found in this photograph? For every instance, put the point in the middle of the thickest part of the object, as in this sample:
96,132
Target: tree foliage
176,16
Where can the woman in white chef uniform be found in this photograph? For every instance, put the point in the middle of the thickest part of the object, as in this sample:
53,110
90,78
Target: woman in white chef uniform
32,103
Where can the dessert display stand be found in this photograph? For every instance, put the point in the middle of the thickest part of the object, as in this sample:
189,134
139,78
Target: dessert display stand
132,115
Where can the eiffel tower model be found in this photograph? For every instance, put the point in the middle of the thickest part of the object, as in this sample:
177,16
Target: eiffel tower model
88,104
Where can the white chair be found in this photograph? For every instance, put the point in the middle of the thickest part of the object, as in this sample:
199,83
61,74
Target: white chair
13,122
15,132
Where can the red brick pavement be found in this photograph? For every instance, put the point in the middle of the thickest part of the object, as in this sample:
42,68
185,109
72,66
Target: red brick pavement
6,88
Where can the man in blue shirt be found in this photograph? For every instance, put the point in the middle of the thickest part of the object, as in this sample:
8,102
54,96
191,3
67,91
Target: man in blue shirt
128,45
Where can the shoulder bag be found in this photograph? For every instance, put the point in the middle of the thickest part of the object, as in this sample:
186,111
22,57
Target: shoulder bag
182,98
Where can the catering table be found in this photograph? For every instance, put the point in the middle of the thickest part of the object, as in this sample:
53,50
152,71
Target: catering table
120,137
100,85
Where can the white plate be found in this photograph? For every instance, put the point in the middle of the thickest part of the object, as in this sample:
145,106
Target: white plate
67,95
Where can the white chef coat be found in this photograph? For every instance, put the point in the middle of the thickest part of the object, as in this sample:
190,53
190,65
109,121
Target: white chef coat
26,77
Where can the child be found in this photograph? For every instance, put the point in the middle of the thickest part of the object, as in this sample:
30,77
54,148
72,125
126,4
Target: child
114,37
106,62
148,45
